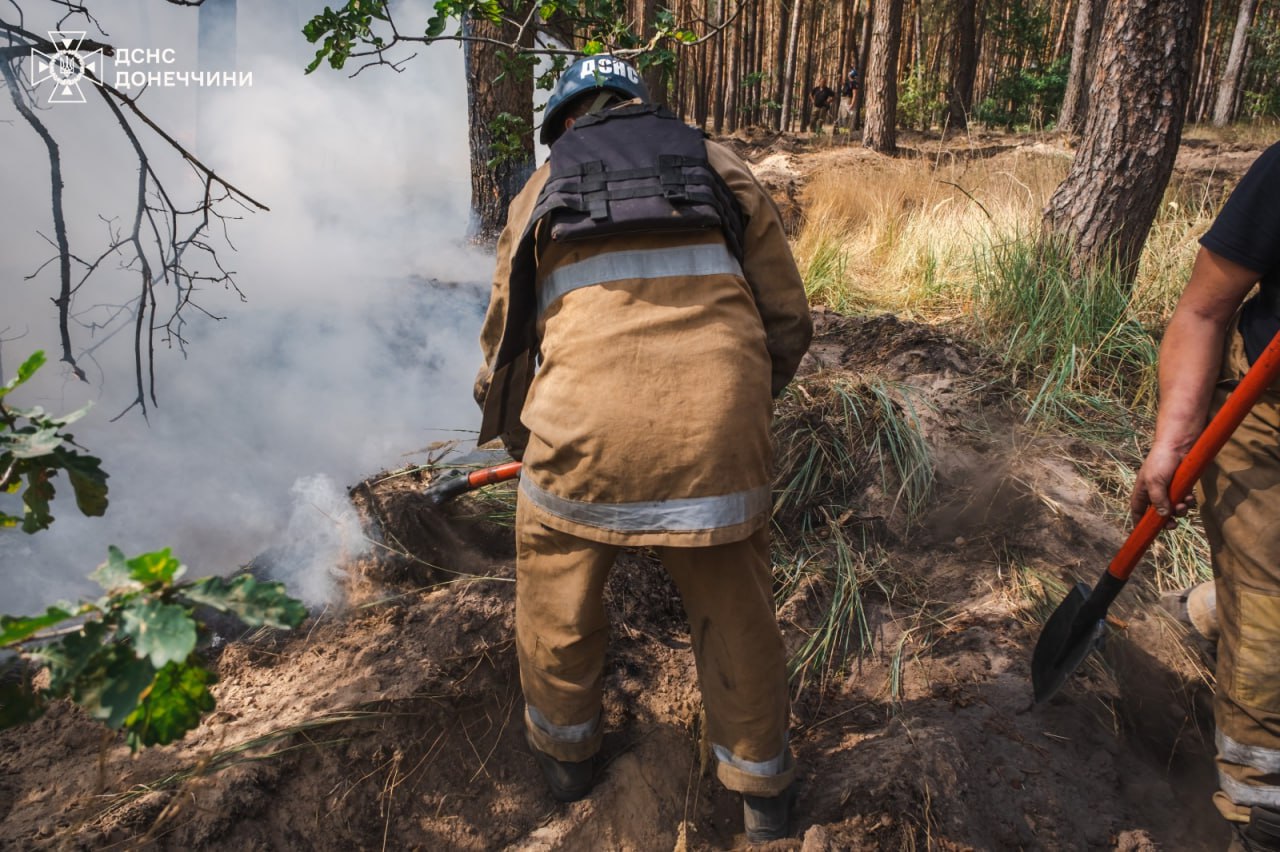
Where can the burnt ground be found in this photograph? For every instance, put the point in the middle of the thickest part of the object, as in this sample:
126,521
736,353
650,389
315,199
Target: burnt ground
395,720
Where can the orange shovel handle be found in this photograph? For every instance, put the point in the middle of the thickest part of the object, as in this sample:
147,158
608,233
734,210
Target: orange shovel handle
493,475
1260,376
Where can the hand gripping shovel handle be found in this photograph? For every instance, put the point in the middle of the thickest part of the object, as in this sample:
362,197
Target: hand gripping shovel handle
454,486
1259,377
1071,632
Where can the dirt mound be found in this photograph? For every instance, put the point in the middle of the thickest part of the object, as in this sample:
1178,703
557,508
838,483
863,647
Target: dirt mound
397,721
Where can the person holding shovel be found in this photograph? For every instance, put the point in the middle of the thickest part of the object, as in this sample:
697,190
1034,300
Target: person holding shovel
645,310
1212,338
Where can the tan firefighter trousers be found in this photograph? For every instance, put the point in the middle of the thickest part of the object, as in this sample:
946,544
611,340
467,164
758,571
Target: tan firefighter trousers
562,630
1241,511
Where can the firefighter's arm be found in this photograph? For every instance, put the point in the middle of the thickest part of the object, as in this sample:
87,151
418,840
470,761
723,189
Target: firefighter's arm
1190,360
769,268
495,317
514,435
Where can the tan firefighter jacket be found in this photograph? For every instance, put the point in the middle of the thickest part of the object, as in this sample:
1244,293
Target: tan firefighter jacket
647,421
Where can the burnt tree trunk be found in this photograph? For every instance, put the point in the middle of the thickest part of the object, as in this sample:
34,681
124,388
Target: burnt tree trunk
881,132
496,176
964,64
1229,89
1105,207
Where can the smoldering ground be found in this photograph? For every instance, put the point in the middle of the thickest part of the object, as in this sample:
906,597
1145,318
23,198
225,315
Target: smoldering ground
346,353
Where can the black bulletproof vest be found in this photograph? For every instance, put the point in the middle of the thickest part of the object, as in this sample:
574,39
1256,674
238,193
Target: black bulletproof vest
635,168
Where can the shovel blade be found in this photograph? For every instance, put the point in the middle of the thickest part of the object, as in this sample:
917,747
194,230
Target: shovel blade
1067,638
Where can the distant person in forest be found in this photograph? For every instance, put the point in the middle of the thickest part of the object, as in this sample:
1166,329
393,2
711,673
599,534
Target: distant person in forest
822,98
645,311
849,98
1212,338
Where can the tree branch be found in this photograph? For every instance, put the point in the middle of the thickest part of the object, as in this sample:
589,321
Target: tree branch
59,220
155,246
379,49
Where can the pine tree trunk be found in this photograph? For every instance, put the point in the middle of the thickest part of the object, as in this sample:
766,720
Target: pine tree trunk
1197,66
964,64
733,78
715,76
1105,207
702,82
1064,31
778,71
1075,101
643,13
807,78
491,92
1229,90
789,68
881,81
864,59
757,63
844,50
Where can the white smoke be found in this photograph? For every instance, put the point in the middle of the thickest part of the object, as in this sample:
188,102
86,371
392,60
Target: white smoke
355,348
324,533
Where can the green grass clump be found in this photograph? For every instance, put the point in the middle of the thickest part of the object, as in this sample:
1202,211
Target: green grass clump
833,439
1074,340
850,457
824,266
838,570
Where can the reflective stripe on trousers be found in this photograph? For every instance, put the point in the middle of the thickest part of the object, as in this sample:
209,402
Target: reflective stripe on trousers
764,768
582,733
1266,761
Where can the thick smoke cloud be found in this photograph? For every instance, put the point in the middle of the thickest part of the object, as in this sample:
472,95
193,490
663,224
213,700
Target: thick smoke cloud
356,345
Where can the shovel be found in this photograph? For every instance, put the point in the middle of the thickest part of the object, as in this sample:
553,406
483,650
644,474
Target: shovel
1077,625
448,488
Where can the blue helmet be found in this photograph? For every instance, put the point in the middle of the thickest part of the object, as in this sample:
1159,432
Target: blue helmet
589,74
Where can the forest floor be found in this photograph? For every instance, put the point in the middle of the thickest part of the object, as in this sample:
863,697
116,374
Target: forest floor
395,720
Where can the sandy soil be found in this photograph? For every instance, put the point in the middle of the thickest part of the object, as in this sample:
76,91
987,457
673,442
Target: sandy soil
395,722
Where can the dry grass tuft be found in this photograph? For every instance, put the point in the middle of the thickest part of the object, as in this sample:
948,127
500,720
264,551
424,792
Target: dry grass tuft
902,235
899,235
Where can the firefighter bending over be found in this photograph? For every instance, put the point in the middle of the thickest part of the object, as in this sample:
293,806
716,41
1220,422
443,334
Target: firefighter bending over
646,275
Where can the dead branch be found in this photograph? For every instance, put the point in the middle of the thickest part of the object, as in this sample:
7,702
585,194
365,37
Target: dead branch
163,231
59,219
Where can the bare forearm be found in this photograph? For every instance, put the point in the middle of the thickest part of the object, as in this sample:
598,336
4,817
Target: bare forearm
1191,353
1190,357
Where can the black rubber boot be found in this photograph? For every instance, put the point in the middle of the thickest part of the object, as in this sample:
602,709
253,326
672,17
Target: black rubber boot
568,781
768,817
1261,833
